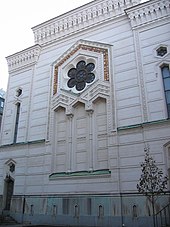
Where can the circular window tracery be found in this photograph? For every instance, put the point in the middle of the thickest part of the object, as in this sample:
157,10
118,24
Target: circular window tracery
161,51
19,92
81,75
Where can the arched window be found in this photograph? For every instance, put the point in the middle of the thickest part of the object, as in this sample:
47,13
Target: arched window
8,191
76,211
135,211
32,210
12,167
54,210
166,82
19,92
101,211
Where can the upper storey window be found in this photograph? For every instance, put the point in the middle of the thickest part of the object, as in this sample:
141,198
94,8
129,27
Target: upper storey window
2,103
12,167
166,82
161,51
18,107
82,74
19,92
81,68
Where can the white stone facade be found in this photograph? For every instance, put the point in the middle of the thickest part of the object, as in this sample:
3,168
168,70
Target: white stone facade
89,141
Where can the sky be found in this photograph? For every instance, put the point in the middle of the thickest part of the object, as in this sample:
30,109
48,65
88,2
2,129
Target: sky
17,17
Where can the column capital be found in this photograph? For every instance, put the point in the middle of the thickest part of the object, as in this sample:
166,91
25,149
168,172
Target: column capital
69,115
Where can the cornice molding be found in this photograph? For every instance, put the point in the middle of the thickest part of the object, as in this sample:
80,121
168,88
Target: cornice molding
148,12
79,19
24,58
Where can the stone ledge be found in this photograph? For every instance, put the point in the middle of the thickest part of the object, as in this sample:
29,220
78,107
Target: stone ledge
76,174
23,143
143,124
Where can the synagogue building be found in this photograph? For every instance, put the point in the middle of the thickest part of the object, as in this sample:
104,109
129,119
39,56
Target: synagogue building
82,105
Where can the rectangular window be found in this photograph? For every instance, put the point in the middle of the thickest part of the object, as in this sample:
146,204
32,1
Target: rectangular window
17,121
166,83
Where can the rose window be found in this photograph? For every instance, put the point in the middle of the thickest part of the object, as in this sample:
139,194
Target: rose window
81,75
161,51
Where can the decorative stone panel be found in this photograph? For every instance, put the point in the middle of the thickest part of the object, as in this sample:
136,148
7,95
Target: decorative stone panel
99,54
23,59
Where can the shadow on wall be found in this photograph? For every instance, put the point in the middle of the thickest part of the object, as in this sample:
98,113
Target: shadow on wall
94,210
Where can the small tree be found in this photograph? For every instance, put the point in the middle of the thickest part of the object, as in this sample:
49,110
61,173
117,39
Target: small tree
152,182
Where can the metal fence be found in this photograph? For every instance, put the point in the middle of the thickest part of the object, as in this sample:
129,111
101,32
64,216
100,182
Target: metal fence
163,216
133,210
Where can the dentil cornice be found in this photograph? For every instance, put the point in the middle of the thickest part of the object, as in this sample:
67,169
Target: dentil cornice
81,18
24,58
148,12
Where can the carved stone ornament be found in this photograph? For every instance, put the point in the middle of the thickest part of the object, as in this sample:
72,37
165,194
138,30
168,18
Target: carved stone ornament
81,75
161,51
83,64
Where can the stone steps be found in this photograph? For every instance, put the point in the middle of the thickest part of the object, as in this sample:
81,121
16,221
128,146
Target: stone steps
7,220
